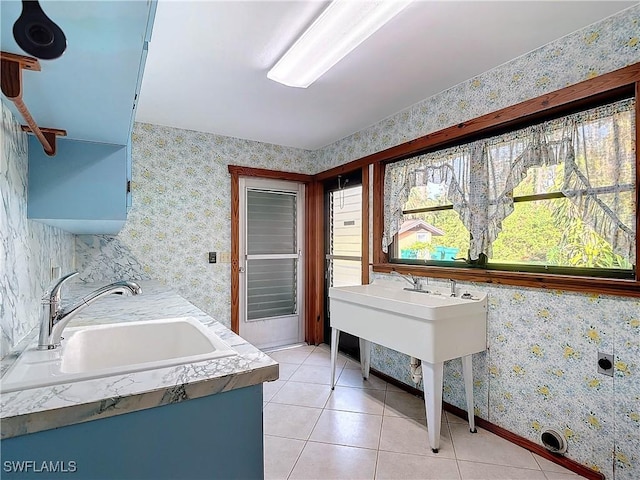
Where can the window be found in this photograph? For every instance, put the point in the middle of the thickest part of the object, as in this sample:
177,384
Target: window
555,197
422,237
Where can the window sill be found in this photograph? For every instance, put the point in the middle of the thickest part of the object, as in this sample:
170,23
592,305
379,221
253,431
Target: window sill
586,285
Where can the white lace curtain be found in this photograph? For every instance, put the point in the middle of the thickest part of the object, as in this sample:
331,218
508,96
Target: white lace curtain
479,177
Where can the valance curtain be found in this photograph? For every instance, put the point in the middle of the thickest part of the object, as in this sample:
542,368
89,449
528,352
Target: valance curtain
596,148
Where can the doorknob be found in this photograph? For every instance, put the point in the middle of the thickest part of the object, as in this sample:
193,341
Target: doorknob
241,269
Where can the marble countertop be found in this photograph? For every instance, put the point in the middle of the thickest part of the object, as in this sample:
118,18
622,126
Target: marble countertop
44,408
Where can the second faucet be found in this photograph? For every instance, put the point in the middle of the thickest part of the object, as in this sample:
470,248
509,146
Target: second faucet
414,281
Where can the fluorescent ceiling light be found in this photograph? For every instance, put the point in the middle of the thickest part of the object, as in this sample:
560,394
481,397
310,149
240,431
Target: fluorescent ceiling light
342,26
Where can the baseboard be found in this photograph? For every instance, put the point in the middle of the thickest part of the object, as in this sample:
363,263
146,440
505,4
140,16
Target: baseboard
501,432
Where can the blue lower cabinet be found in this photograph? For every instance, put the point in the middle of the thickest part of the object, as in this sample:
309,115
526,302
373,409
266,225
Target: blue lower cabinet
214,437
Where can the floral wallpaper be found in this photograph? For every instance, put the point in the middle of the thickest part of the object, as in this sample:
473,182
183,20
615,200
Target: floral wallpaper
28,249
540,371
600,48
540,368
181,211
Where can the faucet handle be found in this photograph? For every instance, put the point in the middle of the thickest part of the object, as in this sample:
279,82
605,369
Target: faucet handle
453,283
52,293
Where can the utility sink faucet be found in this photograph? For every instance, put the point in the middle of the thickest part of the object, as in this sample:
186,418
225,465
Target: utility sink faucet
54,318
414,281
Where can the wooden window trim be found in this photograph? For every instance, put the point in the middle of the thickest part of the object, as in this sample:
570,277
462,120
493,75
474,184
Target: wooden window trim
365,226
602,88
608,86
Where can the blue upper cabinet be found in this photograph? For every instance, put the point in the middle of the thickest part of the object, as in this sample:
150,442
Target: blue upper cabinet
90,91
83,189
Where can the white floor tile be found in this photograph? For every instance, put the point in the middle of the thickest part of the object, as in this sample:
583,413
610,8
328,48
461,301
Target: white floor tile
303,394
488,448
291,355
403,404
351,363
313,374
289,421
567,475
353,378
392,388
486,471
409,435
549,466
269,389
322,358
329,462
348,428
394,466
286,370
280,455
451,418
366,428
360,400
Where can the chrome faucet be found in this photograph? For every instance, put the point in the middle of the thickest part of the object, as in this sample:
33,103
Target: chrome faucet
453,287
414,281
53,318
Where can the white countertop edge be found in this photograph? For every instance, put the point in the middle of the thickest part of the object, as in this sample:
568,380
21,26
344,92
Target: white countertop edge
44,408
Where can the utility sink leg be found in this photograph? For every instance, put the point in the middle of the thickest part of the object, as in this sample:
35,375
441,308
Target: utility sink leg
432,381
335,338
467,373
365,357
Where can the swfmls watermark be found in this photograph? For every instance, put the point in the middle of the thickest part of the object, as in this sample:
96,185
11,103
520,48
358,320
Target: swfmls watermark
39,466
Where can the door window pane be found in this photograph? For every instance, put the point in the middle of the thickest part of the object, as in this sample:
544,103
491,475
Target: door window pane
271,222
271,288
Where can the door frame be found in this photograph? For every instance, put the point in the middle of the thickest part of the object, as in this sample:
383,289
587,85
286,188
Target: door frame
237,172
314,240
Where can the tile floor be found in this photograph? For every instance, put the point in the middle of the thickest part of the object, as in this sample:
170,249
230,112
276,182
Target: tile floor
373,430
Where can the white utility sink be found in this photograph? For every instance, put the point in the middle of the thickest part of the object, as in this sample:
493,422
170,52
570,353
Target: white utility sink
428,326
432,327
112,349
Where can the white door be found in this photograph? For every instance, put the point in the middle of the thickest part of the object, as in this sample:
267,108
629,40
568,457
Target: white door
271,262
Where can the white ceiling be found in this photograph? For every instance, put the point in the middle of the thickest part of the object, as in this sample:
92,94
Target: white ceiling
208,62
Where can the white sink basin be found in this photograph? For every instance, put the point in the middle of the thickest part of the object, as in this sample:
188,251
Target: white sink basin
105,350
429,306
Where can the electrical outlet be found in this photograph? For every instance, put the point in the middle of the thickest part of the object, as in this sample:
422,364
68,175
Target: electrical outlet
225,257
212,257
55,271
605,364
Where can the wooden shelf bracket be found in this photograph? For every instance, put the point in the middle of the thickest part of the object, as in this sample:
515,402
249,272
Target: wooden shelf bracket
11,80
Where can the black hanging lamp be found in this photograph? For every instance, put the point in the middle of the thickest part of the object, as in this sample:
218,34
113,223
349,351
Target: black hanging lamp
37,34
